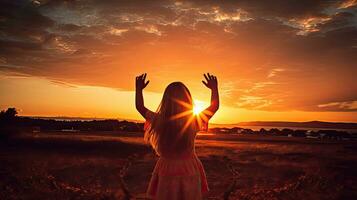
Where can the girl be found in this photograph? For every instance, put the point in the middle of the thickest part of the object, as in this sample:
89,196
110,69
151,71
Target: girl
171,131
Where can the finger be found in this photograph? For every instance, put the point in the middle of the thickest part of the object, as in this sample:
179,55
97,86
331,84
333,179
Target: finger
209,75
146,83
205,83
144,77
206,77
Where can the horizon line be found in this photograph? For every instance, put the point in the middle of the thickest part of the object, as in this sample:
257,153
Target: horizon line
137,120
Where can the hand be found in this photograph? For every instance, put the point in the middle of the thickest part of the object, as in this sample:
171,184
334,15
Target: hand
140,82
211,81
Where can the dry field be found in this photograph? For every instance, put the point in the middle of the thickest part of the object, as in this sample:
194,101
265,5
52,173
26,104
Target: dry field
109,166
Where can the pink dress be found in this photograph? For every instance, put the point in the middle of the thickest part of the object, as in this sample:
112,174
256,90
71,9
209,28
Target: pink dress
177,178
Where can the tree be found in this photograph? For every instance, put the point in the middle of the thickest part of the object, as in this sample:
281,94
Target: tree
10,113
8,126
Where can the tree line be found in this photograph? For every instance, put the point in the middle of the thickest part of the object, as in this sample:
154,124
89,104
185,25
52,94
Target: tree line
10,121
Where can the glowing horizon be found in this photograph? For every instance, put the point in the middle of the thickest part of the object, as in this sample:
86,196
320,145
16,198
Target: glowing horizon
83,101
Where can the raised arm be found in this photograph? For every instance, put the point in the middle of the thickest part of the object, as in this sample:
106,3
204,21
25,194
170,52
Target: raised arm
139,99
213,85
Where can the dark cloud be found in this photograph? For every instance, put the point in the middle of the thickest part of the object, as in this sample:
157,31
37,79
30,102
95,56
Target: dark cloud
339,20
274,8
272,55
20,20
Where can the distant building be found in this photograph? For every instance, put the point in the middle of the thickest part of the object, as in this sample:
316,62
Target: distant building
36,129
70,130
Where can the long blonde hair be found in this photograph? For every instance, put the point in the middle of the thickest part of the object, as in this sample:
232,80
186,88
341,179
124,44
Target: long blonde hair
174,126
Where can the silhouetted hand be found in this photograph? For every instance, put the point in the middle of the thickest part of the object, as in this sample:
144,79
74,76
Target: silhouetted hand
211,81
140,82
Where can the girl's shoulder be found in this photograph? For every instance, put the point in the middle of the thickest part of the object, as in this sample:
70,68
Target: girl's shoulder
201,122
149,115
149,118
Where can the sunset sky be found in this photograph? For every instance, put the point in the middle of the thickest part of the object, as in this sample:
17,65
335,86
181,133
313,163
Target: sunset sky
283,60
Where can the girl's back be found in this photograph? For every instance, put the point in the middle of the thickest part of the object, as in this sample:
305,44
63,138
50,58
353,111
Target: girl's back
178,175
171,131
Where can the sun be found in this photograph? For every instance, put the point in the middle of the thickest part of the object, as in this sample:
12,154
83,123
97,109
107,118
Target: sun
198,107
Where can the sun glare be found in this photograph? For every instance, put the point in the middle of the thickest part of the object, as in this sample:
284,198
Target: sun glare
197,107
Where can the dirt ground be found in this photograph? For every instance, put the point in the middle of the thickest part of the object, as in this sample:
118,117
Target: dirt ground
118,166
